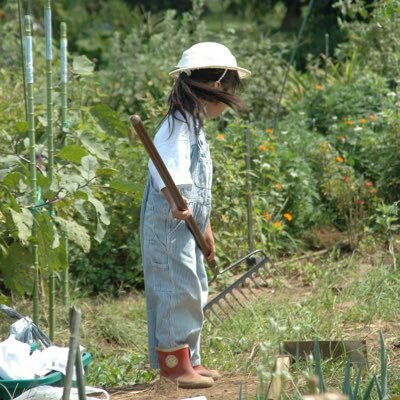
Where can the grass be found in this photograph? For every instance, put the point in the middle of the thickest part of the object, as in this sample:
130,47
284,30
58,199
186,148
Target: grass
351,296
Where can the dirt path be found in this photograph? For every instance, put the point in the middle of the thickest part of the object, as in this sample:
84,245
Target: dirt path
228,387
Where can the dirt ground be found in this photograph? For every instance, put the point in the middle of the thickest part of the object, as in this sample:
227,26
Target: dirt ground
227,387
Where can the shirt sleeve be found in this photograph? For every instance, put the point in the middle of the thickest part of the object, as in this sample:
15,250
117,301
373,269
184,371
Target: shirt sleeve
174,149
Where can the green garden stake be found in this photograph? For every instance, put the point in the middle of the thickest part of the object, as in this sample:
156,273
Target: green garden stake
50,144
74,357
64,77
21,34
32,158
64,130
250,234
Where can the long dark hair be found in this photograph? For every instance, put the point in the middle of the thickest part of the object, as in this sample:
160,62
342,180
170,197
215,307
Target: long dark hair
189,90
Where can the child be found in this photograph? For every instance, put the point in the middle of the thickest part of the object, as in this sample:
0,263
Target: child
175,278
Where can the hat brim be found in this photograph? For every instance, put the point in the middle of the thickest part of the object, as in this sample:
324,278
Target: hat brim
243,73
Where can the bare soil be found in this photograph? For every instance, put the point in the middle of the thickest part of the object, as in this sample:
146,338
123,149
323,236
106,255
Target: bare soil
227,387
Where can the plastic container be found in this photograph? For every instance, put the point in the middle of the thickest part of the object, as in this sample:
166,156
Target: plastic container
13,388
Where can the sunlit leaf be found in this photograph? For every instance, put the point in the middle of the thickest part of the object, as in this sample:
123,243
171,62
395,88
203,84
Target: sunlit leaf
73,153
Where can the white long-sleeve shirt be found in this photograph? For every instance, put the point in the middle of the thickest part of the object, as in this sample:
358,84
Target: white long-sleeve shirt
174,141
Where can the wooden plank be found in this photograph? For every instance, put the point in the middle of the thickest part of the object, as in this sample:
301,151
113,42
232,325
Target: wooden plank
282,365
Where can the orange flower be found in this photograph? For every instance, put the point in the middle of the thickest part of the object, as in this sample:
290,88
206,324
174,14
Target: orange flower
266,216
288,216
278,186
372,118
269,130
220,136
319,87
271,147
362,121
339,159
277,224
348,122
261,147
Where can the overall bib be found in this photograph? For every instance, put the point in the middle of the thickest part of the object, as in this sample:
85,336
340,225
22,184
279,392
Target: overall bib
174,273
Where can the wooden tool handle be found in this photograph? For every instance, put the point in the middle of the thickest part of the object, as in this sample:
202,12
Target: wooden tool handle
170,184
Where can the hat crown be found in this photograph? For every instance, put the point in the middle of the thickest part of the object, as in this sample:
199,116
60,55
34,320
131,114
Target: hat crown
207,54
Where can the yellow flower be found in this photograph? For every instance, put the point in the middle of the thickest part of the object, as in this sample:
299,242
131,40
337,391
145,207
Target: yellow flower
372,118
277,224
278,186
266,216
362,121
339,159
164,113
319,87
220,136
269,130
261,147
288,216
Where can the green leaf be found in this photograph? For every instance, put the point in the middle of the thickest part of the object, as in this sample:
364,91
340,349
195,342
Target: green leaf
106,171
75,233
16,268
23,222
21,127
108,120
94,147
127,187
100,232
13,179
81,65
73,153
89,166
100,210
50,250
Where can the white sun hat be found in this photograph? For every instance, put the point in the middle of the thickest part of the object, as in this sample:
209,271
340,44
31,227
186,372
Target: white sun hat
208,55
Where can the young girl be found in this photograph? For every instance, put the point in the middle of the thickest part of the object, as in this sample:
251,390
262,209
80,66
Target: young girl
175,278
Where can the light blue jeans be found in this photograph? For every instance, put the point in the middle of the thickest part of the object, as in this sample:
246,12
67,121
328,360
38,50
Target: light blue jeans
174,274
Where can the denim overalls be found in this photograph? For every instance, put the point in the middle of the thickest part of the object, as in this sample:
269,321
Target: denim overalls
174,273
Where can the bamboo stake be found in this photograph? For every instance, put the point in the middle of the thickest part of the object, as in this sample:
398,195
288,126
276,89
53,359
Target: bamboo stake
50,144
64,127
32,159
74,357
21,34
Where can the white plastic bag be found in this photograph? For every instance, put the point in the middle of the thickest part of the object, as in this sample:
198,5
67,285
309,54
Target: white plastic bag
56,393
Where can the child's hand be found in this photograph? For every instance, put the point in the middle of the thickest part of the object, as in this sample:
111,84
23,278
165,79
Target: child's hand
181,214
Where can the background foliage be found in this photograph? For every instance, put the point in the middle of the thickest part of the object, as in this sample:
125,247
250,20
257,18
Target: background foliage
332,161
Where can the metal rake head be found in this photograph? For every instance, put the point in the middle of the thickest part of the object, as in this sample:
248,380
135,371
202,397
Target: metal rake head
240,292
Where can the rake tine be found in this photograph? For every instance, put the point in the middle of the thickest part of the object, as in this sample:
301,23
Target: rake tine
240,304
212,310
219,319
229,304
255,282
242,293
219,305
251,291
261,277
